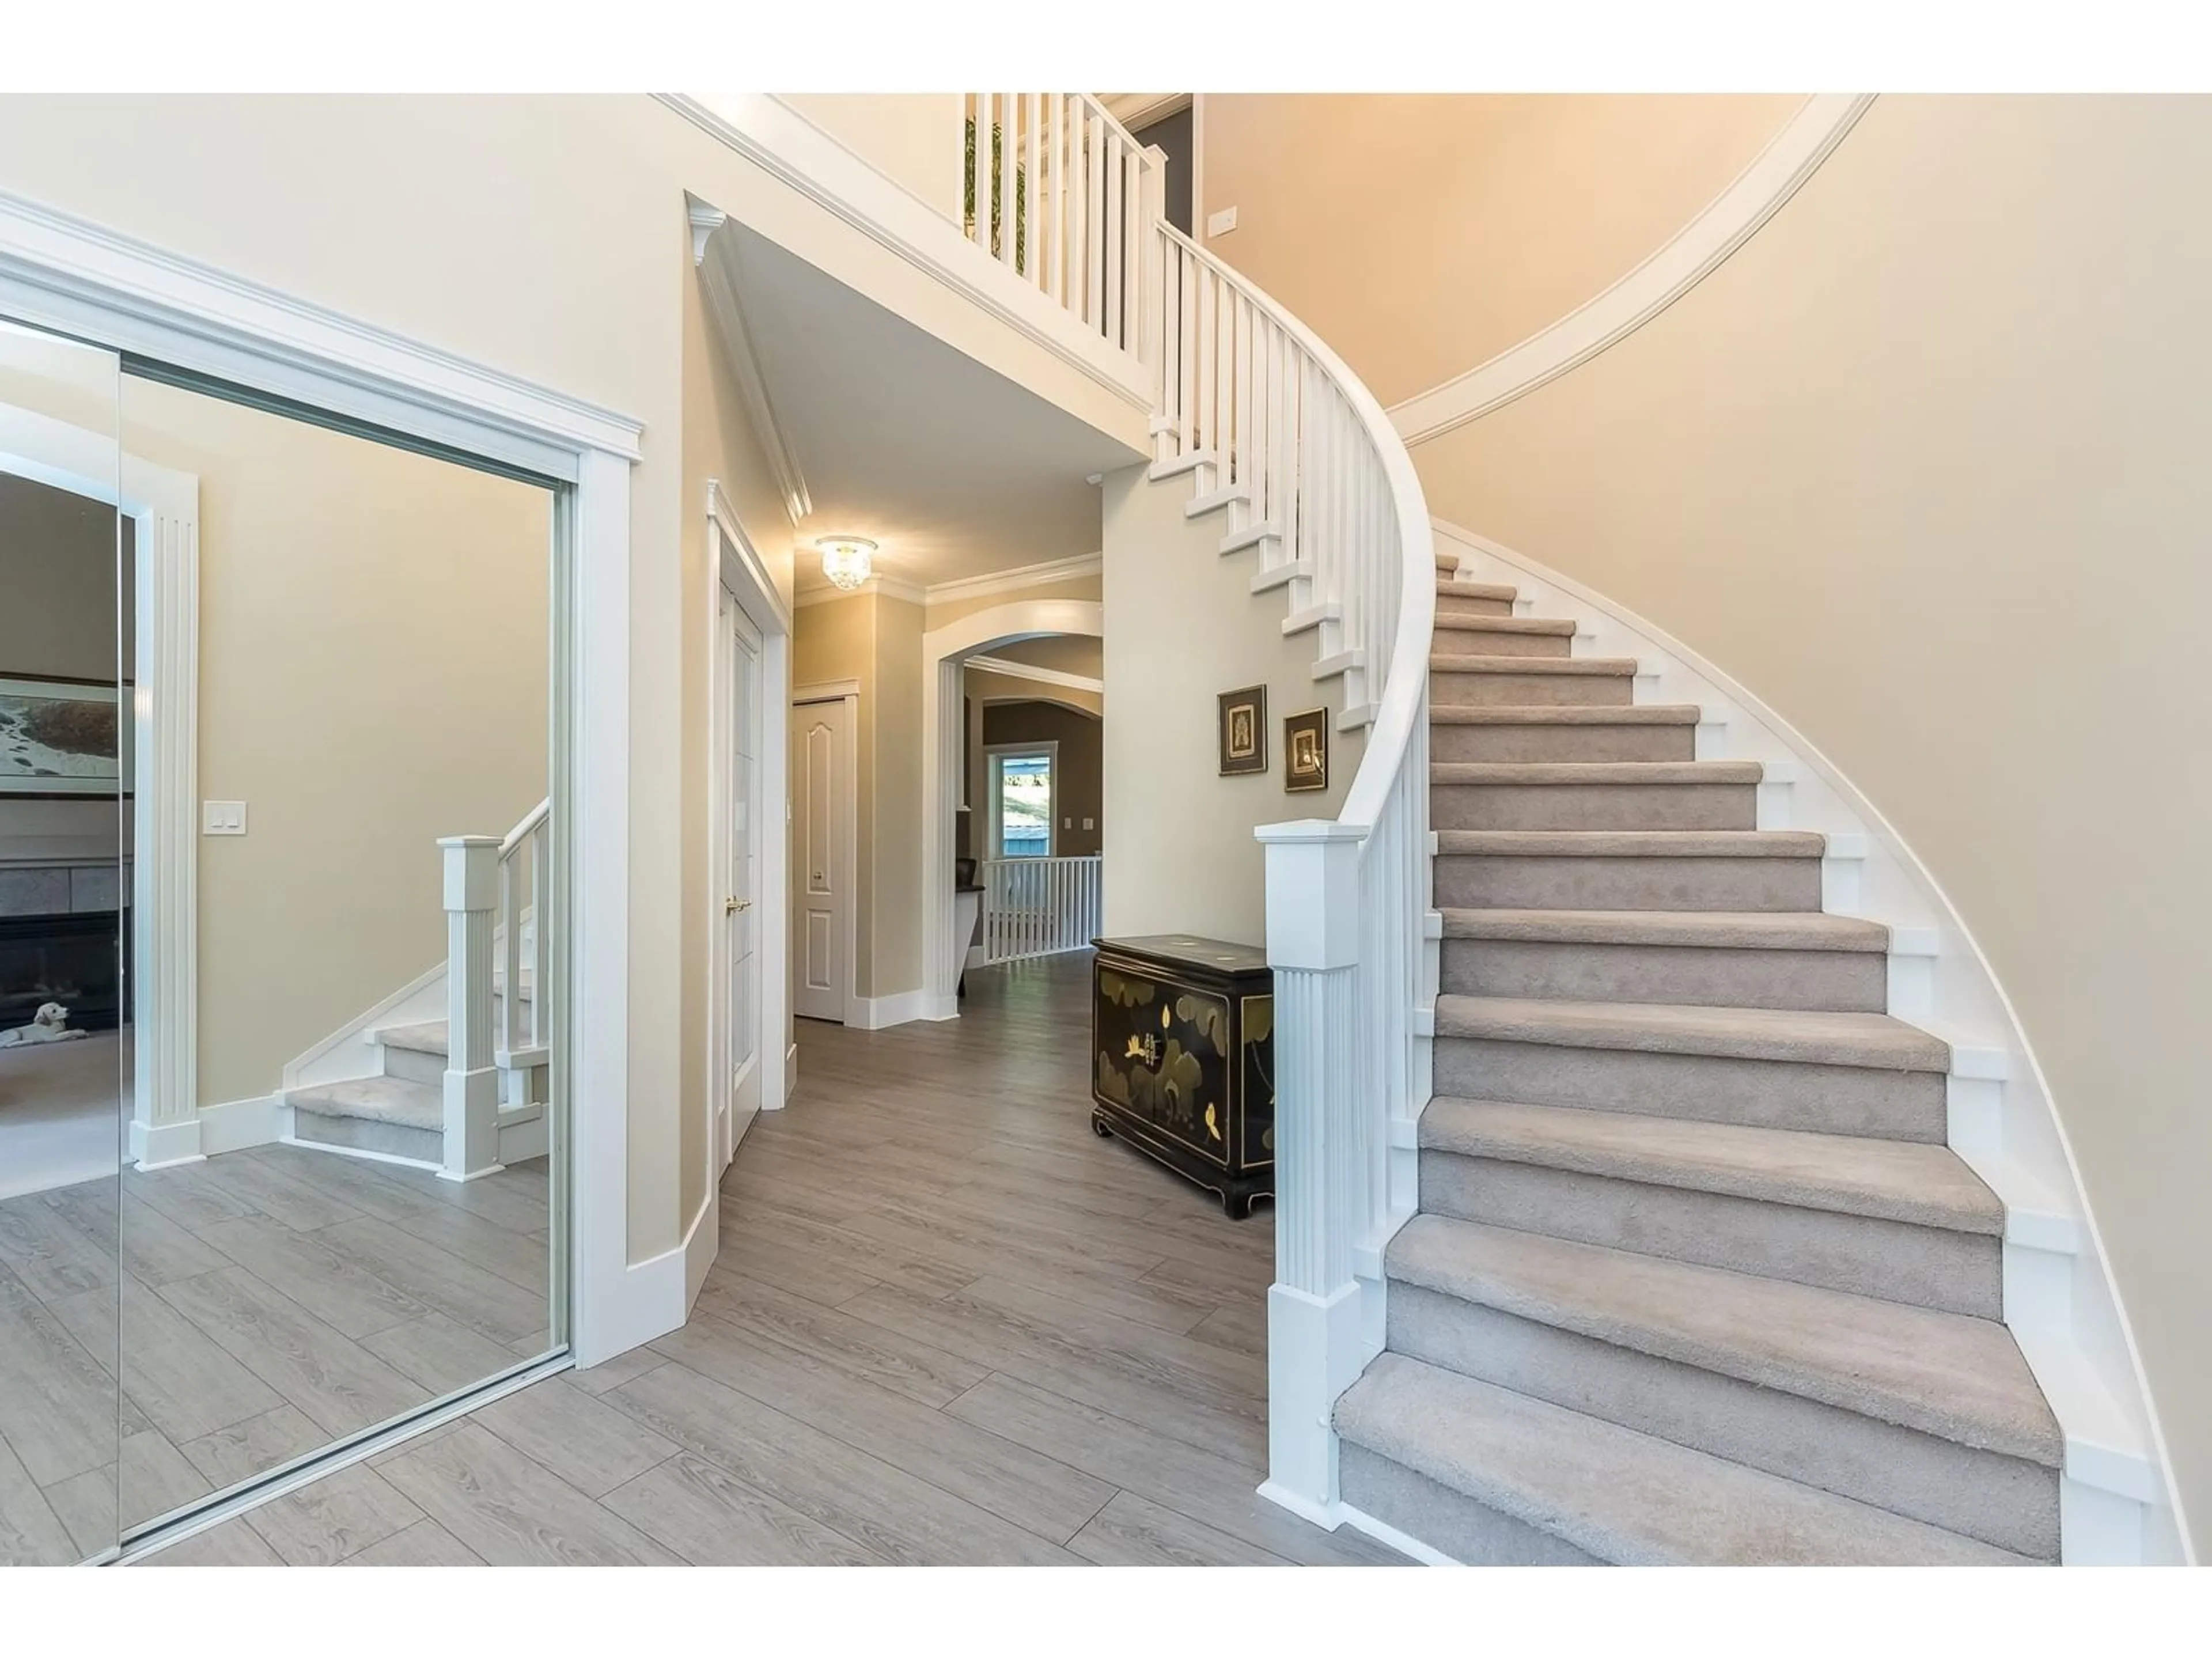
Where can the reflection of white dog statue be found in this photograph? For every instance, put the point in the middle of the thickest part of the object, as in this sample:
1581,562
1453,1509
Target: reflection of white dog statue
50,1024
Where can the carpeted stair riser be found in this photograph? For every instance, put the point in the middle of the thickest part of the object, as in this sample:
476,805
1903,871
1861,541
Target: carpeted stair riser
1843,1100
414,1065
1450,604
1484,881
2006,1501
368,1135
1536,743
1593,806
1469,1532
1501,638
1853,982
1479,690
1925,1266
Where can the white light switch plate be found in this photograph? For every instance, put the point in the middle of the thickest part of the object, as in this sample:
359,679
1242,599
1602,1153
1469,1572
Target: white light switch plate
222,818
1090,824
1221,223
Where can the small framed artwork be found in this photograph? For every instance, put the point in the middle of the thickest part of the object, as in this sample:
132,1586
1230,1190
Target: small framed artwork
1244,731
60,737
1305,751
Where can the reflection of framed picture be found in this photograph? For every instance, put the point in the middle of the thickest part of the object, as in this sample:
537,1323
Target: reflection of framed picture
60,737
1244,731
1305,751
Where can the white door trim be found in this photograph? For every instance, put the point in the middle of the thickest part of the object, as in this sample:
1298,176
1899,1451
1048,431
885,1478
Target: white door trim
848,693
163,507
60,272
943,734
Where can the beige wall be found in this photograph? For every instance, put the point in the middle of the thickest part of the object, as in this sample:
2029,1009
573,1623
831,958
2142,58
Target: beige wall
373,675
1419,236
1924,466
943,612
1063,653
917,137
546,236
1180,856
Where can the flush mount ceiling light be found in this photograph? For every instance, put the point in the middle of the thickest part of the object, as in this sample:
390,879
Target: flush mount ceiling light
847,560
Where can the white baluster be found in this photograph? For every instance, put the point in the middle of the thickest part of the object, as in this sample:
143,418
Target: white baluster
472,1082
1113,247
510,954
1315,1340
1094,311
541,933
1032,184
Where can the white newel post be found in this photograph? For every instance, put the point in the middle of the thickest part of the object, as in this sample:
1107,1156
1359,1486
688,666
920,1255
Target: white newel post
471,1070
1314,1345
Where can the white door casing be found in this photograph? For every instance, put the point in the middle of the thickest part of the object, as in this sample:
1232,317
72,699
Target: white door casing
737,1096
825,833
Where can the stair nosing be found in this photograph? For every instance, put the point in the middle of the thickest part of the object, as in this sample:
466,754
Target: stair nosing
1800,1371
1528,775
1477,590
324,1100
1780,1036
1688,1158
1475,622
1567,714
1788,930
1612,667
1631,843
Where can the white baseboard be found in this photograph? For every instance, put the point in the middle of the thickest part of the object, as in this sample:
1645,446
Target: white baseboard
158,1145
702,1243
235,1125
879,1014
790,1077
360,1152
1383,1533
651,1302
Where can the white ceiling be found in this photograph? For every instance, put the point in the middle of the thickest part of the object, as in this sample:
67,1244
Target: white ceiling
953,470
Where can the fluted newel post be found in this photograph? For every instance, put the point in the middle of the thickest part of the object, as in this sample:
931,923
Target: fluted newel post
472,1072
1314,1350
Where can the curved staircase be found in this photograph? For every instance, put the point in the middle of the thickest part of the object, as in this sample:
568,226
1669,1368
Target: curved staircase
1693,1277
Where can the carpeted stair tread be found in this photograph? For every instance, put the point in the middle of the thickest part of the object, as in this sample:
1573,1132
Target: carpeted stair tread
1875,1041
1959,1378
379,1099
1725,929
1621,1496
1506,714
427,1038
1589,774
1616,667
1632,843
1542,626
1449,589
1902,1181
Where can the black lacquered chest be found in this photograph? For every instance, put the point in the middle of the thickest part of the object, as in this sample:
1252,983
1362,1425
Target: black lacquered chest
1183,1059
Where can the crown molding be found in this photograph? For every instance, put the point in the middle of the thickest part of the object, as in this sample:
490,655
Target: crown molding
1023,671
1014,581
719,282
888,587
1790,157
1136,109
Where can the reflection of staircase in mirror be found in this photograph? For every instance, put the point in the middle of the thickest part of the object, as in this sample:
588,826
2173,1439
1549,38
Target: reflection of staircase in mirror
391,1085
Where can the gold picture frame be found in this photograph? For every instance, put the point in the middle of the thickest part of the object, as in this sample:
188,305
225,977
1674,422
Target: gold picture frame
1242,731
1305,751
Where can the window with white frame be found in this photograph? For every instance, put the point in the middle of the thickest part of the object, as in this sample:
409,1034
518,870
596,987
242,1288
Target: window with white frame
1021,788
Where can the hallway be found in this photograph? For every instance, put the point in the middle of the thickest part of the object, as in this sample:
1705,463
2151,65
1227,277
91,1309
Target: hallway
949,1325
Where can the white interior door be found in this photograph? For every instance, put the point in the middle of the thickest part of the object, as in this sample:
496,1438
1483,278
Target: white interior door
741,811
822,841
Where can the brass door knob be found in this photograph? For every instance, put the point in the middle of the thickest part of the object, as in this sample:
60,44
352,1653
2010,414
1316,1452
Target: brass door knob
732,906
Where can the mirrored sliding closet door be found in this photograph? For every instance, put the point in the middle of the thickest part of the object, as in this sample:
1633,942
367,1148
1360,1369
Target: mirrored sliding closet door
279,1151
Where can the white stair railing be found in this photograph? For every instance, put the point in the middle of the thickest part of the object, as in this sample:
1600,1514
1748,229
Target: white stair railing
1040,906
1058,192
524,863
1277,431
497,952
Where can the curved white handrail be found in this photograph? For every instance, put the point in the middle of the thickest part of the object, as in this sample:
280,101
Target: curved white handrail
520,833
1404,678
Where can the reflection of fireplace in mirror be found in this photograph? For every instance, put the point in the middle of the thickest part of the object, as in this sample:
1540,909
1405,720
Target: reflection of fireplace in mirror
73,960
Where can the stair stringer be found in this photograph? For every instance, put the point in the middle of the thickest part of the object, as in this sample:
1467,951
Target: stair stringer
2118,1502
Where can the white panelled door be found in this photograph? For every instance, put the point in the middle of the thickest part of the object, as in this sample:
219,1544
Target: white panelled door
821,840
741,807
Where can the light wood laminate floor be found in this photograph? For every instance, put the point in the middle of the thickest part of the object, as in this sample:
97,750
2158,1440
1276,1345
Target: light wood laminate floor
948,1325
269,1301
